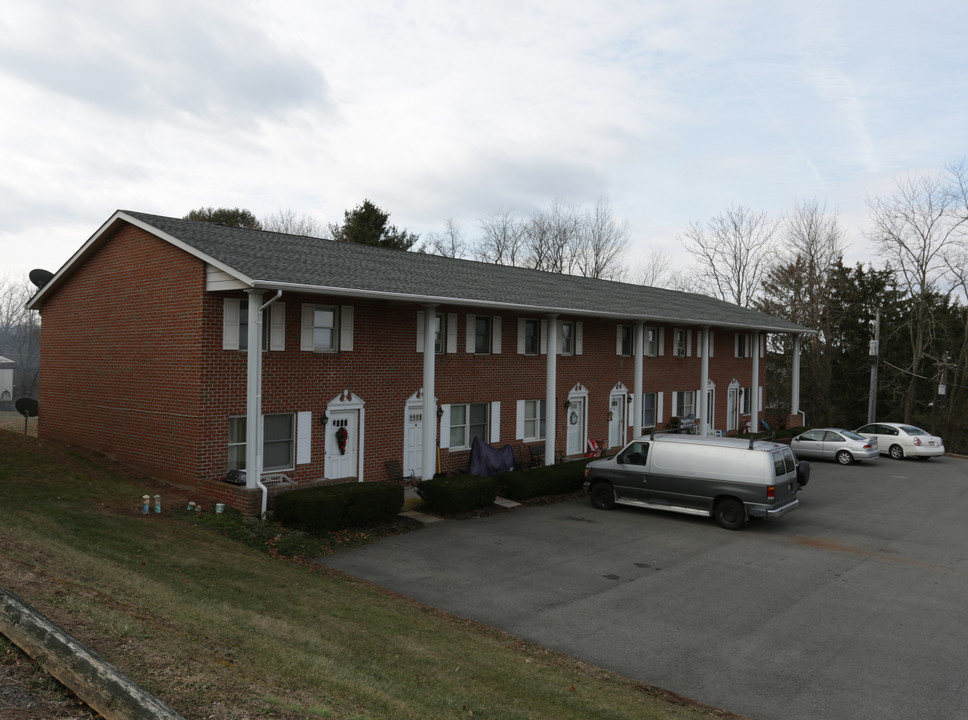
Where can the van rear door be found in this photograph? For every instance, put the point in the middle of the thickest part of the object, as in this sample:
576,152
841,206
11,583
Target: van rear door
785,469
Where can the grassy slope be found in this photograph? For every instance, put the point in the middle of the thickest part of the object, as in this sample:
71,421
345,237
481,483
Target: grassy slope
218,629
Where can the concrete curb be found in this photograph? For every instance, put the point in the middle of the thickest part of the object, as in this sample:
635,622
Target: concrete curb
98,683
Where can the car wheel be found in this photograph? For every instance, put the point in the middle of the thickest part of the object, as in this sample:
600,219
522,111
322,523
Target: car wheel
844,457
603,496
897,452
730,514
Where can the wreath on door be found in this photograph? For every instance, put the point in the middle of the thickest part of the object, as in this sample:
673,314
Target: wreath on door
341,436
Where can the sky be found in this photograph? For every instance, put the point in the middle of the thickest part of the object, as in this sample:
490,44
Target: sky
672,111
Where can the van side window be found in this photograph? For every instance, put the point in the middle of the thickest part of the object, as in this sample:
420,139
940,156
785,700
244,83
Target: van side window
635,454
783,462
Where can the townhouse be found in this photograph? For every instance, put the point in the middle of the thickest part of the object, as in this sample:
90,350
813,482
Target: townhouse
371,362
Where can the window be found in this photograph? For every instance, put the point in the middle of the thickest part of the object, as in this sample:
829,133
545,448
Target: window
652,341
244,326
277,442
648,409
466,423
482,334
324,328
747,395
567,338
681,343
624,340
686,403
534,420
235,325
440,333
744,345
532,336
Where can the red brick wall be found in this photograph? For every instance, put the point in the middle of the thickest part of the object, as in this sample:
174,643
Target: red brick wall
119,354
132,364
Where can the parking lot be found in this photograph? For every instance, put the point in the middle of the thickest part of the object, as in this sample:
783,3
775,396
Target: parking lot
854,606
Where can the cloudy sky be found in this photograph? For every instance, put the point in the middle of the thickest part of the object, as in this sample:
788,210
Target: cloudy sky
673,110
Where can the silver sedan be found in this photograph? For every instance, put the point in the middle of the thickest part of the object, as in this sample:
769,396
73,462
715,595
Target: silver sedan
844,446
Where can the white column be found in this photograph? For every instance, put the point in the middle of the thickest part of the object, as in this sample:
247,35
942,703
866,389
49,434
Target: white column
429,440
704,381
551,395
253,393
638,381
755,400
795,378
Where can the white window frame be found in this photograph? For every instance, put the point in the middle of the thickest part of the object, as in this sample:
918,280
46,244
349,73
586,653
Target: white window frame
655,346
342,331
678,403
538,336
493,336
531,420
625,340
682,342
292,440
235,325
465,444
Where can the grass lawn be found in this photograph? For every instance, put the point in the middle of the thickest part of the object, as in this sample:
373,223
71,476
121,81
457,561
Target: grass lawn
222,618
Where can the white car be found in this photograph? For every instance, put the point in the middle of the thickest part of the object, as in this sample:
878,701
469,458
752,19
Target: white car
900,440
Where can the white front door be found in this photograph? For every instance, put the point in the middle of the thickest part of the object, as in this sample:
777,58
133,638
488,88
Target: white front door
732,409
342,441
413,441
616,421
575,418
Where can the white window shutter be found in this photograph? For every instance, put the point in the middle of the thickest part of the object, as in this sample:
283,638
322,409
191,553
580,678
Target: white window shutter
519,421
629,407
346,328
420,330
688,343
544,337
495,421
658,408
451,332
277,326
618,339
444,426
304,437
710,343
471,327
675,402
306,327
661,341
496,335
522,328
579,337
760,401
230,323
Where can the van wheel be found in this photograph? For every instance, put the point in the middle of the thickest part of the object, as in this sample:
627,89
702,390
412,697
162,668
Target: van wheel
897,452
844,457
730,514
603,496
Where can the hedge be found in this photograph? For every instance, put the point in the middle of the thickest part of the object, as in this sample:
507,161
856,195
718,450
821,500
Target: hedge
458,493
324,508
557,479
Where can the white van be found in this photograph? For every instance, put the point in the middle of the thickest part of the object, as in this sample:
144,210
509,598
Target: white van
730,479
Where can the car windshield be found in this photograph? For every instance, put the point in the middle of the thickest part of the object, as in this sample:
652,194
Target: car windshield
911,430
851,435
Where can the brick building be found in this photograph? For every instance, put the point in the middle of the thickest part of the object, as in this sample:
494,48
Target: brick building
369,356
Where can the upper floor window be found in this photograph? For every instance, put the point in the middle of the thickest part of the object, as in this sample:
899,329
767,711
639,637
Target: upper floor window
235,325
681,343
532,336
623,340
327,328
567,338
652,341
482,334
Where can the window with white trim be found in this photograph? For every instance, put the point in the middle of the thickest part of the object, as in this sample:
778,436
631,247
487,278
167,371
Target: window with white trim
235,325
685,403
623,340
649,416
652,340
681,345
325,328
744,345
467,422
278,442
567,337
482,334
532,336
440,333
534,420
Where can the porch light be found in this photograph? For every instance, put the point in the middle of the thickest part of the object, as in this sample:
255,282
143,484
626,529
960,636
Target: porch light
324,418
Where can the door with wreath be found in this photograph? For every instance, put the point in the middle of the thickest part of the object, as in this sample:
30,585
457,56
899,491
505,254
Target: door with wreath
342,441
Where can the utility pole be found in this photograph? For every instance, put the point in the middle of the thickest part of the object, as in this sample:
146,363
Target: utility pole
874,352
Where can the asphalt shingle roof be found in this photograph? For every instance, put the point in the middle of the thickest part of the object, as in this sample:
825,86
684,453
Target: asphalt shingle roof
276,260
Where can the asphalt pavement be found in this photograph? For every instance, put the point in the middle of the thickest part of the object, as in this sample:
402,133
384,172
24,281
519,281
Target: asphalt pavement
853,607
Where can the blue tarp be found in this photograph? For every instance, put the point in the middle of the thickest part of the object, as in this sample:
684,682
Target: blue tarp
489,461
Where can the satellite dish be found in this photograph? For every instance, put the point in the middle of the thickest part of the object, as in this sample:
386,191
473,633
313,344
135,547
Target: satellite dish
26,407
40,277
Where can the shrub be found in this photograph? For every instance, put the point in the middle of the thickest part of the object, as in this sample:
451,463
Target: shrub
334,507
458,493
548,480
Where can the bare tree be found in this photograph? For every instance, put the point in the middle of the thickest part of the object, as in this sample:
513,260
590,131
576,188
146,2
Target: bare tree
552,237
20,334
449,243
602,244
654,270
286,221
731,251
918,229
502,239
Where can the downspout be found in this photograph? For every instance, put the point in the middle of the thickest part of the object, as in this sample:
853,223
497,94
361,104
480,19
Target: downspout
254,395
